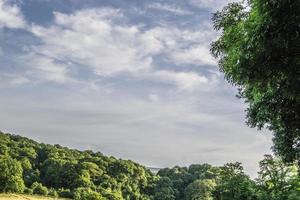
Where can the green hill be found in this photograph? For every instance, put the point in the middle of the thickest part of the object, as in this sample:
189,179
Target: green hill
54,170
32,168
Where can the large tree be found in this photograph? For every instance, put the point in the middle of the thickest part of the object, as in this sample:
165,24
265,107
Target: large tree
259,52
11,171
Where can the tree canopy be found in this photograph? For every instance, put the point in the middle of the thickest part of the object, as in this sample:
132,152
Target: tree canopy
259,52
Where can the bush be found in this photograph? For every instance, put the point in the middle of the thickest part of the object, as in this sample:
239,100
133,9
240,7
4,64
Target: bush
52,192
65,193
38,188
86,194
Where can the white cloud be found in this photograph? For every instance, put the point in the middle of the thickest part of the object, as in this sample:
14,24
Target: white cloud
194,46
42,67
91,38
193,55
185,46
211,4
169,8
188,81
100,40
10,16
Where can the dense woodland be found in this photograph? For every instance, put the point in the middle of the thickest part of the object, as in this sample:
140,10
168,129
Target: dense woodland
35,168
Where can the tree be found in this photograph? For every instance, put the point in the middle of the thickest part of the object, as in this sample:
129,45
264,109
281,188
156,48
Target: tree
258,51
200,190
234,184
278,181
180,178
203,171
11,175
164,190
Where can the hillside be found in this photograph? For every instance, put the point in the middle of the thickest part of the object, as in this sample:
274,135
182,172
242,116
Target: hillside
55,170
29,167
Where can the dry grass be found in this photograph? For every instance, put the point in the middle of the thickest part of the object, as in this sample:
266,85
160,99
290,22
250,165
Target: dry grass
25,197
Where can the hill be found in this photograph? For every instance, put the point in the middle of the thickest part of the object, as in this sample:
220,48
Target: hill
54,170
29,167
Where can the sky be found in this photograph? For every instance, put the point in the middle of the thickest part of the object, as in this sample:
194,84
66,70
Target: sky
133,79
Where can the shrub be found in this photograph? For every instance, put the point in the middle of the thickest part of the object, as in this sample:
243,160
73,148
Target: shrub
38,188
86,194
65,193
52,192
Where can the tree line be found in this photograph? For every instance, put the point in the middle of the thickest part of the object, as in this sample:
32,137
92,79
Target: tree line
36,168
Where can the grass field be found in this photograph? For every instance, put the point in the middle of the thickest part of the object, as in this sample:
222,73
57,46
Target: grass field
25,197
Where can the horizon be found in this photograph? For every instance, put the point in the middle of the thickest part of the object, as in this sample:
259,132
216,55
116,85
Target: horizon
134,80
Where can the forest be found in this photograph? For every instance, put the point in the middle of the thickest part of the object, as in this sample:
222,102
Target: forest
30,167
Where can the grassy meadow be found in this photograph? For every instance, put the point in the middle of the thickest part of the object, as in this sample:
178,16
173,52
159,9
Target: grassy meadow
25,197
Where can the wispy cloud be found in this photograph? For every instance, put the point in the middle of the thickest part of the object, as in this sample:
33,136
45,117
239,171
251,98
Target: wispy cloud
44,68
211,4
91,38
10,15
188,81
14,80
169,8
102,41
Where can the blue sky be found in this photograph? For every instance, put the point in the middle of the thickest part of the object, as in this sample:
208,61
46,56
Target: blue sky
133,79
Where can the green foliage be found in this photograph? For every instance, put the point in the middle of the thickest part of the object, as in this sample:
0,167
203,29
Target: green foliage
11,171
180,178
52,192
38,188
200,190
278,181
258,51
295,195
86,194
65,193
234,184
59,171
42,166
164,189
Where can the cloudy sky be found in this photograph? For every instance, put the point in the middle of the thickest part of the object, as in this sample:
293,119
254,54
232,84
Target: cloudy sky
133,79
